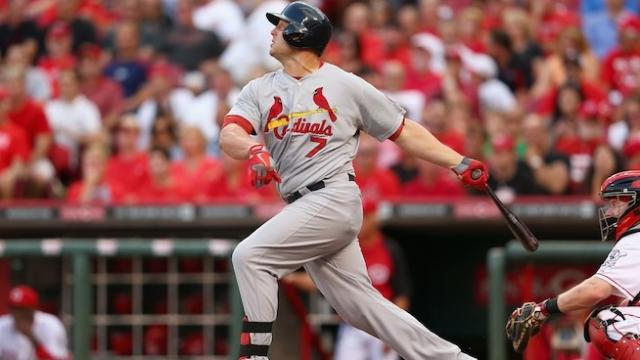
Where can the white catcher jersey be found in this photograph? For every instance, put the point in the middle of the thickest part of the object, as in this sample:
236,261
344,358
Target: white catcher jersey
47,328
311,125
622,266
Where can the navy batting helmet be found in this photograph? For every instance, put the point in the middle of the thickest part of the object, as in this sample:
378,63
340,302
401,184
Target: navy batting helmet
308,27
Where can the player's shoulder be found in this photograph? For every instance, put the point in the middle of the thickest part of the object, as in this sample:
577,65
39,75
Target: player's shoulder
6,321
48,320
629,240
338,73
260,83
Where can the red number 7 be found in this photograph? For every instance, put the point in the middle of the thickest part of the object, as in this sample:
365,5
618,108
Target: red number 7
322,142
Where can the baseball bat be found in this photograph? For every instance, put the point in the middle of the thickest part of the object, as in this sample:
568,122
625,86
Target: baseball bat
517,227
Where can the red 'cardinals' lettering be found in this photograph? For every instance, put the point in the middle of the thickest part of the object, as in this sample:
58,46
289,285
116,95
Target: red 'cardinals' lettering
321,101
301,126
274,111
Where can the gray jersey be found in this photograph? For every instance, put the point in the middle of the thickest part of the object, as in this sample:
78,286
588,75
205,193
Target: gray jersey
311,125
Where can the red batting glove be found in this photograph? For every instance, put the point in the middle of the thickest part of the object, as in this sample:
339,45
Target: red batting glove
472,173
261,167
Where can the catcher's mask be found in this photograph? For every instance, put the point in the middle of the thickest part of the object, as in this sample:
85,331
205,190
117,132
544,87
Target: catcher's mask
620,212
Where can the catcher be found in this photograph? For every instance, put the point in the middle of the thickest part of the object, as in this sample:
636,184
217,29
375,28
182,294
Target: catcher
613,330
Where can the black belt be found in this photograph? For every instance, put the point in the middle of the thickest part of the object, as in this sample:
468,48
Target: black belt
313,187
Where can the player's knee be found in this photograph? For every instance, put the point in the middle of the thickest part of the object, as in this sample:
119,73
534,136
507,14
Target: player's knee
241,256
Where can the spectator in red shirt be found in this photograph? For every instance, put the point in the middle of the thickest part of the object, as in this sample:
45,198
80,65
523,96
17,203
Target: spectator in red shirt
571,50
95,188
59,56
578,140
14,150
427,58
105,92
129,166
397,46
30,117
469,29
162,186
348,54
573,70
28,114
197,170
375,182
436,118
357,20
621,68
433,180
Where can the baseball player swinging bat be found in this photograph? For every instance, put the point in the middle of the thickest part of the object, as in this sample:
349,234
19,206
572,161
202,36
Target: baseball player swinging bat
517,227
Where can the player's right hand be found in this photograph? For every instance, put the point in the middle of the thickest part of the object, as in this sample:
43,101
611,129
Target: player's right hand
261,167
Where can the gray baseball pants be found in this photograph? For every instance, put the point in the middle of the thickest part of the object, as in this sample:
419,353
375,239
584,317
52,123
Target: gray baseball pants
319,231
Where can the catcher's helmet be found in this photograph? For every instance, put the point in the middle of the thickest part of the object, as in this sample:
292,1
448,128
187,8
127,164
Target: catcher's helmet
308,28
617,219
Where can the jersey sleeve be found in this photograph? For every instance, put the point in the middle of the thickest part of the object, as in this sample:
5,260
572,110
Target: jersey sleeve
621,267
380,116
246,111
400,280
54,340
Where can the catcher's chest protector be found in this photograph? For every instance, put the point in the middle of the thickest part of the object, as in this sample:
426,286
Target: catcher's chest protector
615,332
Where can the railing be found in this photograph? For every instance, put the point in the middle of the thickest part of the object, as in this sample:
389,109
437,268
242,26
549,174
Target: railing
80,252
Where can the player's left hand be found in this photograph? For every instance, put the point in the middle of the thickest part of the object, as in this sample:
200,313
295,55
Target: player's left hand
523,323
472,173
261,167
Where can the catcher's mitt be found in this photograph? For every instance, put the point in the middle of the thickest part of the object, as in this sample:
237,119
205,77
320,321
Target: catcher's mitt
524,322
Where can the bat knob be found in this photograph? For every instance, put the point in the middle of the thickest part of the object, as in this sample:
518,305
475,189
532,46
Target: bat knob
475,175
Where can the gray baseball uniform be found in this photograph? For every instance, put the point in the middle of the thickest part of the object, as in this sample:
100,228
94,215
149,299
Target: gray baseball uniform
311,126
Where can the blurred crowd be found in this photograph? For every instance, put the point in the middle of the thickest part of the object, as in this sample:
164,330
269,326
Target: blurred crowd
121,101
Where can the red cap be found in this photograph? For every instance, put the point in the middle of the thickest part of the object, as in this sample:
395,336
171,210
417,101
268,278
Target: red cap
503,143
59,30
632,146
630,23
91,51
23,297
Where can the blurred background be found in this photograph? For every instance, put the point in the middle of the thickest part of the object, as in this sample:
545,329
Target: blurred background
109,123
